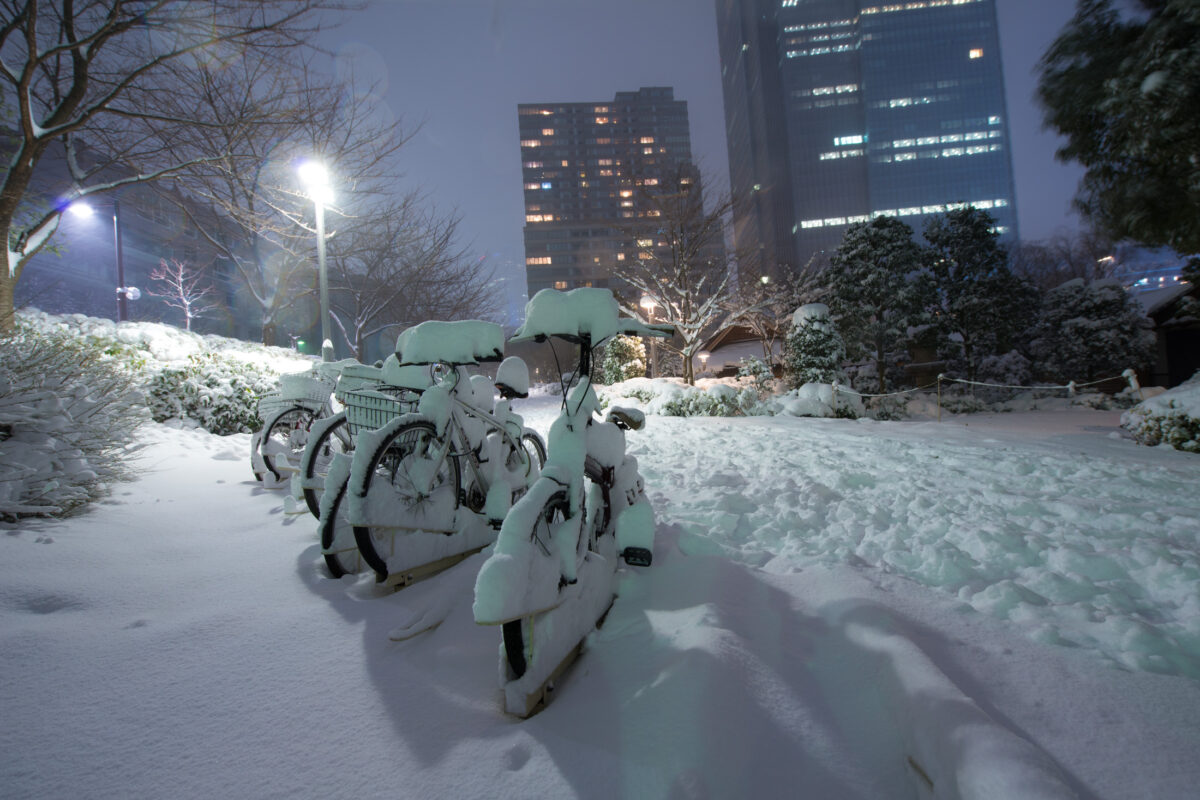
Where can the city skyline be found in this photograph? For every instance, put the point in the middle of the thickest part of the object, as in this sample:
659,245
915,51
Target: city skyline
461,67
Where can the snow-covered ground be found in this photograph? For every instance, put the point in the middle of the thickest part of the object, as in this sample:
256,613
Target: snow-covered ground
1008,603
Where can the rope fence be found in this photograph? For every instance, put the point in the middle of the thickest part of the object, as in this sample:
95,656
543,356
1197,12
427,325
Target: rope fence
1129,375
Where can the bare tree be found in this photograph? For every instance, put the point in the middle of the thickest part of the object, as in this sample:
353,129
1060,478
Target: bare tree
682,264
247,173
766,306
398,265
1065,256
90,75
185,288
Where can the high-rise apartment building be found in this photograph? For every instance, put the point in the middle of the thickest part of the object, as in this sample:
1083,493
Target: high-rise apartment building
838,111
588,170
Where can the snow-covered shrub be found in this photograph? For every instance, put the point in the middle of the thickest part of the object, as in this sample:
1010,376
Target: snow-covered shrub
815,400
1172,417
1091,330
671,397
813,351
624,358
219,394
68,413
759,372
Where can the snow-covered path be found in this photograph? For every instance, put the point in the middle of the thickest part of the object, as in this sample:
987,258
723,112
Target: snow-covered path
181,640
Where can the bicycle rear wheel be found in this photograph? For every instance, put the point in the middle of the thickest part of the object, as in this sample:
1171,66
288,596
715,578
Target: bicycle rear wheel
337,538
517,634
411,471
536,448
333,440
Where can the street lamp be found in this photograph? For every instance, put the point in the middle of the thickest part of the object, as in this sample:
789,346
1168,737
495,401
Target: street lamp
648,304
84,210
316,180
704,356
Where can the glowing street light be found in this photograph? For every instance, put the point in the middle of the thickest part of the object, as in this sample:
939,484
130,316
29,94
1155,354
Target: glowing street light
84,210
704,356
315,178
648,304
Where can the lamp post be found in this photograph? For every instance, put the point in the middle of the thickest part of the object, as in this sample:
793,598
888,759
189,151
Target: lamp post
648,304
83,209
704,355
316,179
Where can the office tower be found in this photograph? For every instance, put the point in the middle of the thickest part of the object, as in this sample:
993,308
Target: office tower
588,169
841,110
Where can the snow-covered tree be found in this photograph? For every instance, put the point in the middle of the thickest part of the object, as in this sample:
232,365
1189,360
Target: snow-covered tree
681,263
1123,87
94,85
624,358
979,307
765,306
813,351
184,287
1092,330
874,289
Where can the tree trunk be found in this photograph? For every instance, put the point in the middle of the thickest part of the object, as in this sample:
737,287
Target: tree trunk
268,333
8,318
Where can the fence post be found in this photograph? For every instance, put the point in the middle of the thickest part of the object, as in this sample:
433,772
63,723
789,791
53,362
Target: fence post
1071,389
1131,376
834,386
939,416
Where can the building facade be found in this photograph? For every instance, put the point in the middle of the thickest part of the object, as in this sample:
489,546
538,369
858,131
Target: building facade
588,169
838,111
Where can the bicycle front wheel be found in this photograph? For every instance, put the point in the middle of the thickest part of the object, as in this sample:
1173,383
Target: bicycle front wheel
337,537
283,439
518,638
415,479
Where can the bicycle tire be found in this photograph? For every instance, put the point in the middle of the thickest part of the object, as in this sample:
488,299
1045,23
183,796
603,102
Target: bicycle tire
554,512
390,463
531,440
326,450
283,428
342,562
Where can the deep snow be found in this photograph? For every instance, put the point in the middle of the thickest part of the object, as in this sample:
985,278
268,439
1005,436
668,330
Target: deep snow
1012,601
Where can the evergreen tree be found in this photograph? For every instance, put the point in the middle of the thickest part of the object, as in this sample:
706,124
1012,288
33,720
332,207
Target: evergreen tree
1124,89
979,307
813,351
1091,330
624,358
873,289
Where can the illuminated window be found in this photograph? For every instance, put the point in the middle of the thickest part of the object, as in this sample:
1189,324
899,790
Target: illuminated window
650,182
604,141
626,204
566,163
537,260
539,218
605,162
843,140
533,186
547,131
601,120
626,193
993,120
531,143
976,52
647,140
647,151
560,284
620,256
645,243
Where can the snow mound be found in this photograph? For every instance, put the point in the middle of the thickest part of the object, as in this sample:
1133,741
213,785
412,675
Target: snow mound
1170,418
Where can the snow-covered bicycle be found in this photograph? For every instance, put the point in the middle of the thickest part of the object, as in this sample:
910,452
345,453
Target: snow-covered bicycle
427,488
552,576
288,415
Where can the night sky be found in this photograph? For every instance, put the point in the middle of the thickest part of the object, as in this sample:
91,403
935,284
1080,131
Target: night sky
460,67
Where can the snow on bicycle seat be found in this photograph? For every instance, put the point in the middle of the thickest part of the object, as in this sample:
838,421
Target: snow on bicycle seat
578,315
467,341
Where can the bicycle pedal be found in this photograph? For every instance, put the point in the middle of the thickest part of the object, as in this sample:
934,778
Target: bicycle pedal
637,556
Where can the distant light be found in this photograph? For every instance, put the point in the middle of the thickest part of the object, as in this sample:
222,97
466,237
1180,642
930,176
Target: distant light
765,279
976,52
647,302
81,209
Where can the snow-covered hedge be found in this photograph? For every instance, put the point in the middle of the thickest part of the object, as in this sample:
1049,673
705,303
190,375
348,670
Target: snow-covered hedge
670,397
69,407
219,394
1172,417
